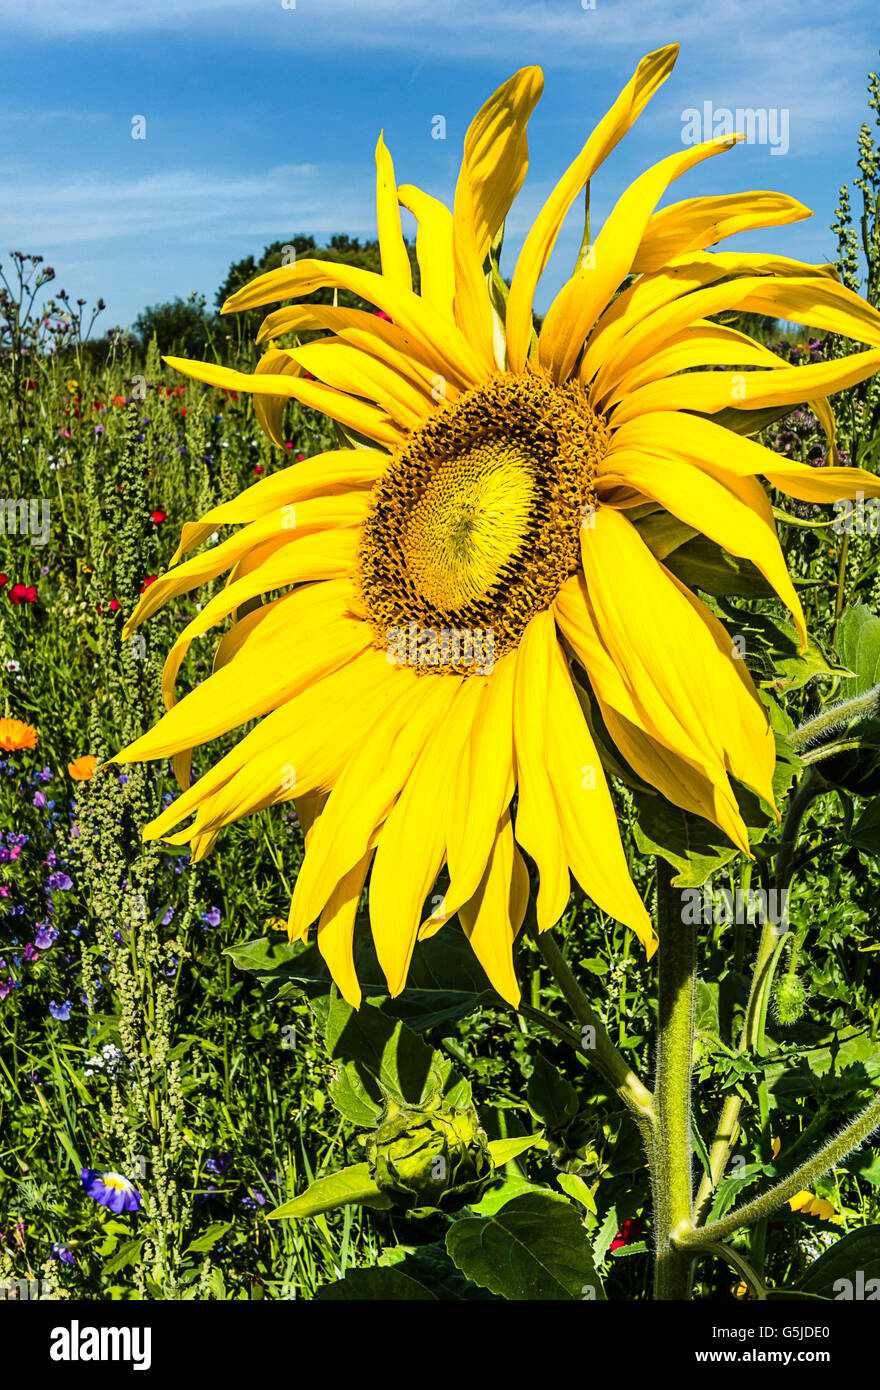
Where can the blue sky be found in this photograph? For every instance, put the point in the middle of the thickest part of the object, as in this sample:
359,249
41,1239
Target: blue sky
262,118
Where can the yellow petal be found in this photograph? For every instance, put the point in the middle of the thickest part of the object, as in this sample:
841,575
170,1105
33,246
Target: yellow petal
412,315
650,74
696,223
433,247
675,763
493,916
701,344
735,514
685,274
580,302
724,454
710,392
646,621
411,850
586,812
537,821
310,623
392,248
370,783
490,784
366,419
336,930
284,526
330,474
347,368
492,172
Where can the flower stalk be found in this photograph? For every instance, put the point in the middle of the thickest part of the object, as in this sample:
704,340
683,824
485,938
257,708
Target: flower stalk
671,1168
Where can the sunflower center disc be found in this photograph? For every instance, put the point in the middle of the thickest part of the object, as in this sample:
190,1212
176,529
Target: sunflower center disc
475,525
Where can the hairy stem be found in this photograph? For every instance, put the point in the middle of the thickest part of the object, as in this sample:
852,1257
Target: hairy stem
837,1149
671,1169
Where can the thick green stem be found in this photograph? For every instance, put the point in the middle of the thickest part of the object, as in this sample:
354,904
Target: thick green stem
759,993
671,1169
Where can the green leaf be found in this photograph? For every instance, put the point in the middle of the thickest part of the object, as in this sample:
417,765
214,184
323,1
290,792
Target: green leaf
858,643
693,846
128,1253
380,1056
445,980
549,1096
701,564
503,1150
514,1185
209,1237
351,1185
771,650
533,1248
865,834
431,1267
855,1254
382,1283
575,1188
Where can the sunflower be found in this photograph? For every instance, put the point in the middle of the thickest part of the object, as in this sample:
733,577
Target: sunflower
14,735
460,588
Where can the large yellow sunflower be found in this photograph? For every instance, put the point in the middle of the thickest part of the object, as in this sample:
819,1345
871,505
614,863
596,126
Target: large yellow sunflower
439,578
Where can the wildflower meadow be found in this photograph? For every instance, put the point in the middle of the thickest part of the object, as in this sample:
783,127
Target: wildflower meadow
550,970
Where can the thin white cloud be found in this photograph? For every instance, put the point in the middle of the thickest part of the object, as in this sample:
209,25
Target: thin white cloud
194,204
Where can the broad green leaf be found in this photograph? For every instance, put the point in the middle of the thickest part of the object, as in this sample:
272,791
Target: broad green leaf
865,834
701,564
693,846
858,642
550,1096
534,1247
379,1056
770,648
352,1184
514,1185
431,1267
849,1269
384,1284
445,981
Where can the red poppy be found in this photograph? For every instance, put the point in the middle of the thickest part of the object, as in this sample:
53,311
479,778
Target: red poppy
158,517
23,593
629,1233
150,579
182,410
258,468
119,400
4,579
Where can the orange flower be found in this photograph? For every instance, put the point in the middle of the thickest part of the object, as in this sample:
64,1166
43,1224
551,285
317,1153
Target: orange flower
83,769
14,734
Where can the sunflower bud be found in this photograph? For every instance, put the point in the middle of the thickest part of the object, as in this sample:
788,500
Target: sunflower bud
789,999
430,1156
